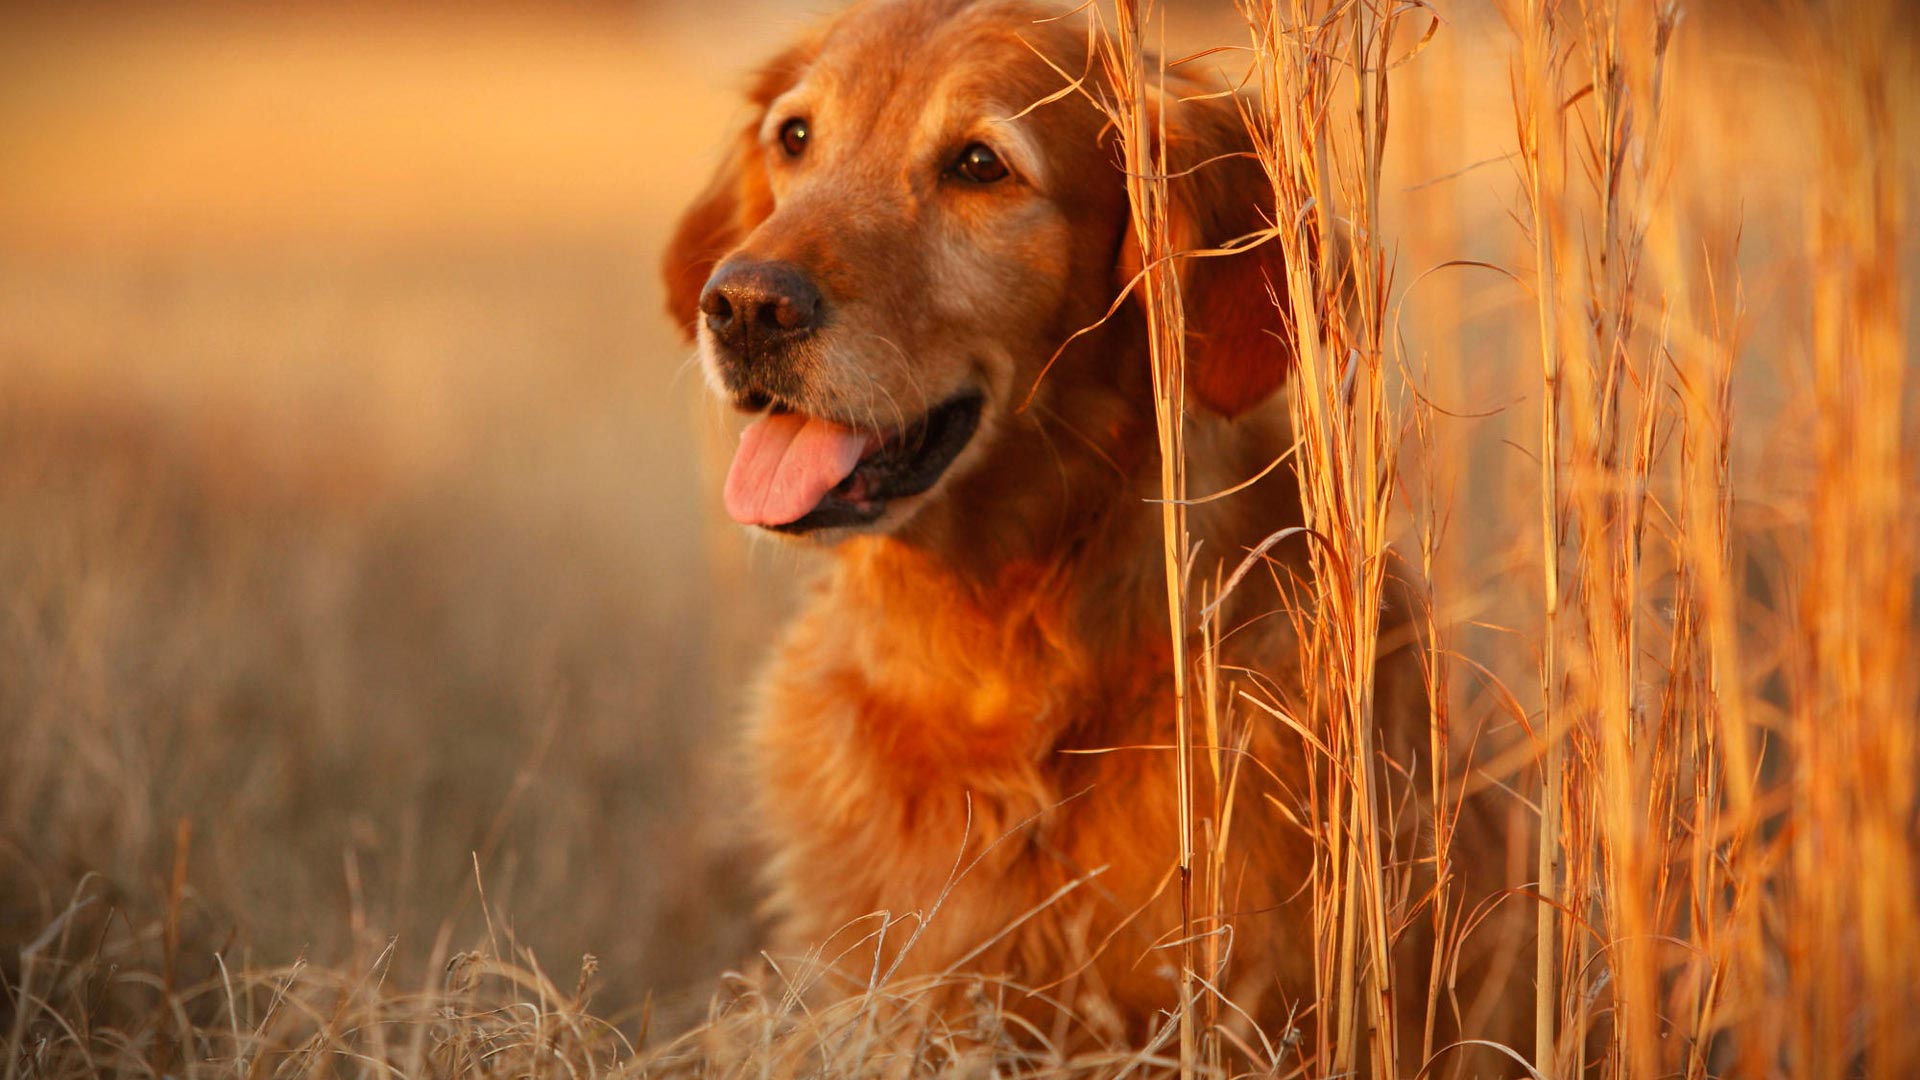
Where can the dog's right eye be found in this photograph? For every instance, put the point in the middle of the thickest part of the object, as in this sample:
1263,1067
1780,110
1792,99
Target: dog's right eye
793,137
979,164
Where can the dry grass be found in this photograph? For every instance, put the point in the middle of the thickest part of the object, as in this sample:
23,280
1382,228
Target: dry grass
312,759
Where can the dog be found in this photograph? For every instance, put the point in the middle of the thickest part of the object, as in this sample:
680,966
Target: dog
904,273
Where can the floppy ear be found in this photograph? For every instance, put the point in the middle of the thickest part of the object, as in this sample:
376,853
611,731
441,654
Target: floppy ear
1239,344
734,201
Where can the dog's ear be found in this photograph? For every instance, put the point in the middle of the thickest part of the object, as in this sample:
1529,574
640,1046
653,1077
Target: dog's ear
1239,344
734,201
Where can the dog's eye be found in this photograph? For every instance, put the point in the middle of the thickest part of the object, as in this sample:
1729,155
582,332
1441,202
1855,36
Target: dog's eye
793,137
980,164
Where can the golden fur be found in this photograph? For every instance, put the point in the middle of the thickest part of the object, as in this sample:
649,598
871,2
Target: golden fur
924,710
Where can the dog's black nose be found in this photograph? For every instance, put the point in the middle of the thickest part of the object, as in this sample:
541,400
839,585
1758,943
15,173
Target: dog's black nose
751,305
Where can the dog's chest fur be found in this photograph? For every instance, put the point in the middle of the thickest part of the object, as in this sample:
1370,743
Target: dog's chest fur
991,767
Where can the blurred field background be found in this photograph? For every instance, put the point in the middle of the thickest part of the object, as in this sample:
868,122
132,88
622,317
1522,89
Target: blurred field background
351,492
358,531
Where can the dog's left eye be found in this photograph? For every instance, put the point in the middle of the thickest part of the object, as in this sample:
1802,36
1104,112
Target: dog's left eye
979,164
793,137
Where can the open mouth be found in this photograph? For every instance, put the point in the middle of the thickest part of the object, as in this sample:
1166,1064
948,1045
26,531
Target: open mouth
796,473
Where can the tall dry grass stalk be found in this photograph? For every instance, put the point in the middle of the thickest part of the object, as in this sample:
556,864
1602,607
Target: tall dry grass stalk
1143,143
1849,936
1541,130
1325,166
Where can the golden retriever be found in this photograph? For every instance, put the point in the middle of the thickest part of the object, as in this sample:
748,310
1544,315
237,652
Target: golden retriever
969,719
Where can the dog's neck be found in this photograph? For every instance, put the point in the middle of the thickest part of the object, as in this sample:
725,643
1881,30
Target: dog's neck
1052,602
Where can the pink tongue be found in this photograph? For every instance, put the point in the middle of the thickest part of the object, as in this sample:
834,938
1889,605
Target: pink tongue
786,463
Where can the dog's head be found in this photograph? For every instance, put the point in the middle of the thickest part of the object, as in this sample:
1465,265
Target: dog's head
917,218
